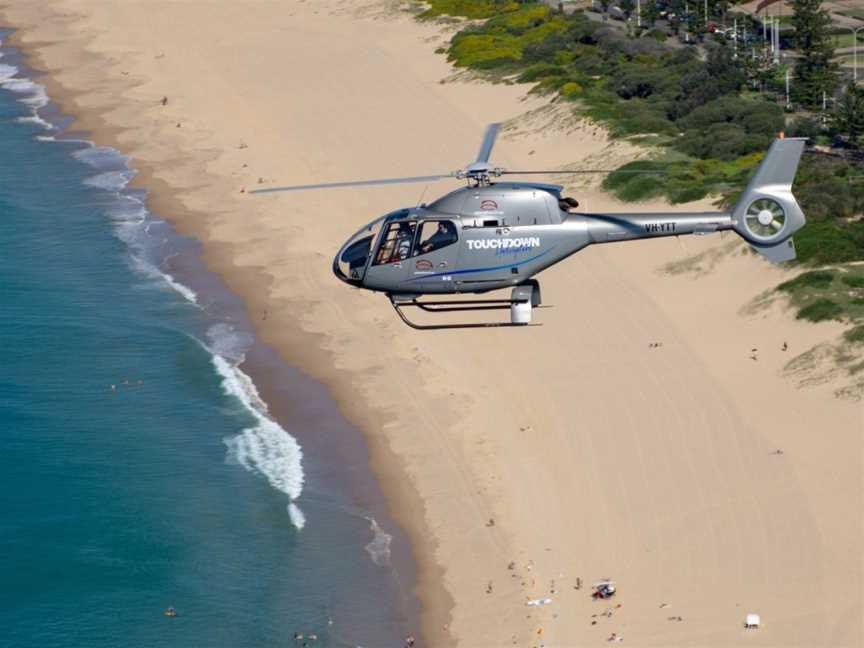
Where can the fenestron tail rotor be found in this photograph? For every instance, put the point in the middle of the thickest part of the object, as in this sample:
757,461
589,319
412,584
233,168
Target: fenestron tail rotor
765,218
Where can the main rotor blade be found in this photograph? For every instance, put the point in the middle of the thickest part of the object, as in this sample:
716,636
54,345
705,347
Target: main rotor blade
488,142
356,183
579,171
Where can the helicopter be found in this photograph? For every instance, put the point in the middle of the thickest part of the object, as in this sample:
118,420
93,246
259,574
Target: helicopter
491,235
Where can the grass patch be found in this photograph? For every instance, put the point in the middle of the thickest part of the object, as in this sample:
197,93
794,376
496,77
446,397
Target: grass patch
855,335
819,279
821,310
853,281
468,8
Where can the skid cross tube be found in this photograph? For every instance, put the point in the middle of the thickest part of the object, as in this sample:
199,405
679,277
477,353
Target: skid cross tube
456,306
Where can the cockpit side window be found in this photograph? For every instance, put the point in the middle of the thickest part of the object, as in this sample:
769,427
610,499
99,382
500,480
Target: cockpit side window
435,235
396,242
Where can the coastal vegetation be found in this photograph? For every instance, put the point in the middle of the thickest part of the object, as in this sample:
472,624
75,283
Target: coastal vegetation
821,295
708,113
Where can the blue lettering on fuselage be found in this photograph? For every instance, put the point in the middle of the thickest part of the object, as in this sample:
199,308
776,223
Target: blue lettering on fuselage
512,250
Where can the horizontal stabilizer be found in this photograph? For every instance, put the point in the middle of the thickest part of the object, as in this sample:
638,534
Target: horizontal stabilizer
784,251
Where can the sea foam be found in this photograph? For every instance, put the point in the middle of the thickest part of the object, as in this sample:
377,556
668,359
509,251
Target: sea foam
32,94
264,448
379,547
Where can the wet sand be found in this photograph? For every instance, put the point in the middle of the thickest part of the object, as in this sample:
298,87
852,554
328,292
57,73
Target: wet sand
596,453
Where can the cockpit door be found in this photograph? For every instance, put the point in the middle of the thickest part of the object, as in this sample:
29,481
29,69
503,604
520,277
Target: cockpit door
435,256
391,259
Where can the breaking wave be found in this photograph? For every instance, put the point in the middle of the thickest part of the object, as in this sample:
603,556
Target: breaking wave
264,447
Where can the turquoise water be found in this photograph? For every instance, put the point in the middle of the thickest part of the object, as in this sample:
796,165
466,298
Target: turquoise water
138,468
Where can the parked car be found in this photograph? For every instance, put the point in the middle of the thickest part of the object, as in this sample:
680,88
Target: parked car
617,13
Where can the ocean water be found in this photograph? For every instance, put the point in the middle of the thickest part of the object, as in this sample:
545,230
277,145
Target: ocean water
139,468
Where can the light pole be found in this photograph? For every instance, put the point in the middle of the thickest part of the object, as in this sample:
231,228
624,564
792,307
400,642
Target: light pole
855,51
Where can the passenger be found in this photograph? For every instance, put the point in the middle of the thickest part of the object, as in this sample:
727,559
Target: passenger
404,238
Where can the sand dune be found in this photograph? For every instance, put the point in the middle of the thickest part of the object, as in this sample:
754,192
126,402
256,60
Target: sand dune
596,454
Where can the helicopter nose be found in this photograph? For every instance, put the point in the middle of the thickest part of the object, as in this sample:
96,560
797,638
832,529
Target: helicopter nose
350,262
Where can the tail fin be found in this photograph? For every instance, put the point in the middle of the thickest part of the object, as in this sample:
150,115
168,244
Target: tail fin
767,213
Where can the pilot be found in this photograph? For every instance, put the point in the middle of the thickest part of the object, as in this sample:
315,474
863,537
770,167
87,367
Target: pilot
443,236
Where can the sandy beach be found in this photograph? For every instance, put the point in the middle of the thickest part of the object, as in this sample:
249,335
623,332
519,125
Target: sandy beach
517,460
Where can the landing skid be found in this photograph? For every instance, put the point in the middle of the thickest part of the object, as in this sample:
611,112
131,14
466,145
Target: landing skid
520,305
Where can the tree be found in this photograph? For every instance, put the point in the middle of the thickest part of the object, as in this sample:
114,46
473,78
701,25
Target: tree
815,72
848,120
650,12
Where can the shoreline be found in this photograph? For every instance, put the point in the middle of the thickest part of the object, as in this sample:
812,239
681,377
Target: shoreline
261,363
476,434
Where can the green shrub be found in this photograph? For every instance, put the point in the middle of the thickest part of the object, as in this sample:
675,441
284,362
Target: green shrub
819,279
539,71
485,51
821,243
821,310
468,8
853,281
571,89
855,335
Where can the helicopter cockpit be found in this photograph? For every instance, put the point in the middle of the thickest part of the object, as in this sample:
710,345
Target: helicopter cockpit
406,234
351,260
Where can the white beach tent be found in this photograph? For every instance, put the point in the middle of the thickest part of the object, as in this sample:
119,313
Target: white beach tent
752,621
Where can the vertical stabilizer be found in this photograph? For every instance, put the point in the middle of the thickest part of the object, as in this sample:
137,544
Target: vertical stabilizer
767,214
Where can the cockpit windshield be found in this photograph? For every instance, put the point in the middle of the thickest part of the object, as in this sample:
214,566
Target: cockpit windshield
350,263
403,237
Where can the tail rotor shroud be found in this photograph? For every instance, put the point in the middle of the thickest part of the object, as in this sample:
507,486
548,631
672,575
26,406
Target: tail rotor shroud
765,218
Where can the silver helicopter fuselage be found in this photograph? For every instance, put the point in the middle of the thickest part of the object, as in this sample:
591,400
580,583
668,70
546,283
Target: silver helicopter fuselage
501,234
506,233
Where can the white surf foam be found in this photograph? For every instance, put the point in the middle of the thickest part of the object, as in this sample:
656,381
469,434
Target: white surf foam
264,448
102,157
36,119
7,72
110,180
296,515
185,291
226,341
33,93
379,547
